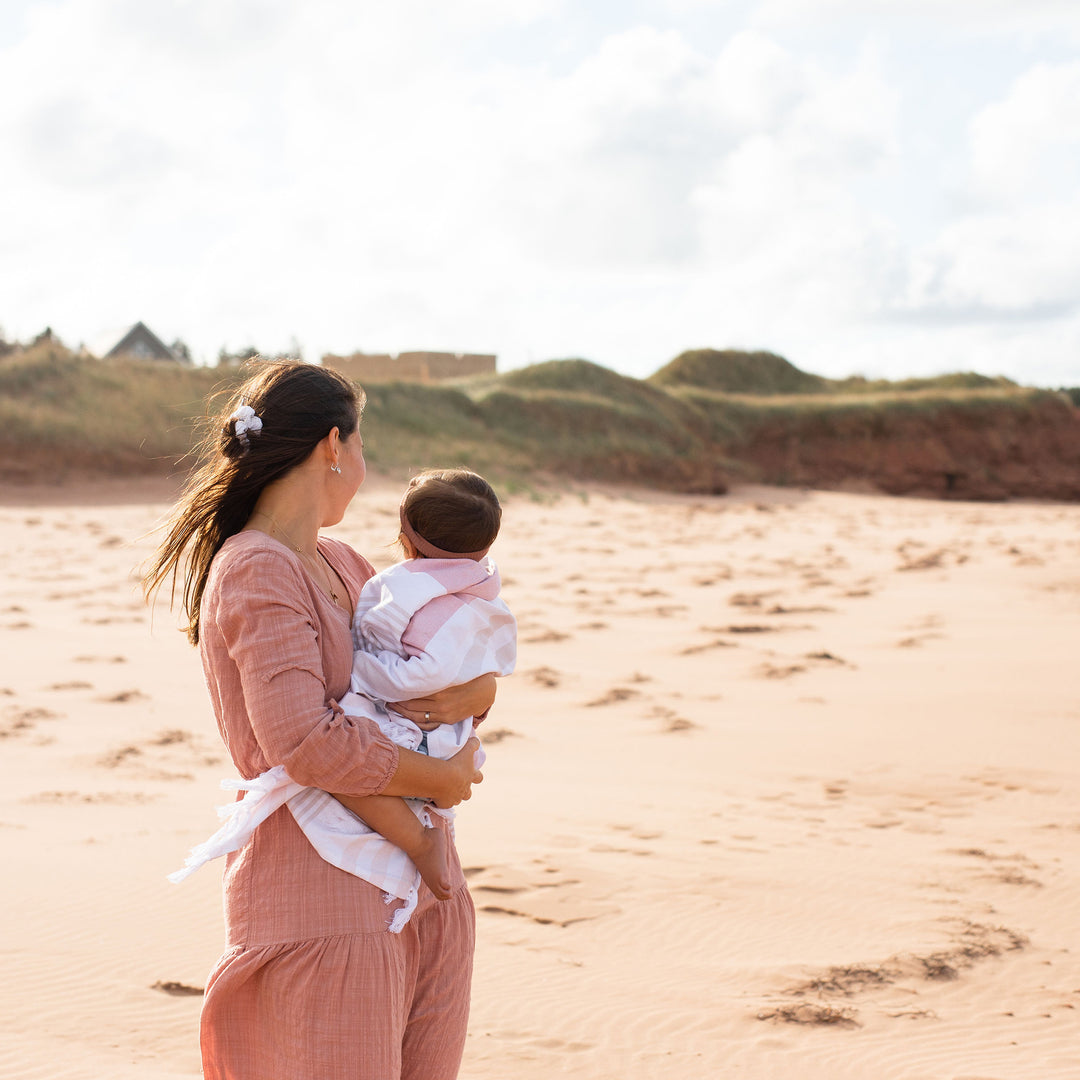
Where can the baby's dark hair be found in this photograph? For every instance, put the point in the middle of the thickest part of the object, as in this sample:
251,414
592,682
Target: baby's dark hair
454,510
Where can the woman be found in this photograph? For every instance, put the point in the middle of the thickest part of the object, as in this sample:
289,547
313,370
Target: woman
312,986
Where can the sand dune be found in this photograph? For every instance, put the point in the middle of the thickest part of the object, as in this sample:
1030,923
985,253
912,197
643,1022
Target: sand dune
785,786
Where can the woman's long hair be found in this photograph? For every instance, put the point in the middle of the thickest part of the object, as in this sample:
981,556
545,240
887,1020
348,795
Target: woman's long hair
297,405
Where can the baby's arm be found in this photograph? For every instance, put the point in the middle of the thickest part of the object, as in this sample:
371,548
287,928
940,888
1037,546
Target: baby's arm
445,644
386,676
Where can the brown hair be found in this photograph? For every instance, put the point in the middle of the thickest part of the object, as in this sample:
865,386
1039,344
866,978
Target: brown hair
453,509
298,404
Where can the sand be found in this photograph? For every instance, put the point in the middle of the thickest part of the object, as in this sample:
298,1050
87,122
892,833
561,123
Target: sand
785,786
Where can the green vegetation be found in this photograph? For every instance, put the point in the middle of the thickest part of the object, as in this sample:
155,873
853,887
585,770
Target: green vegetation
55,406
762,374
706,417
734,372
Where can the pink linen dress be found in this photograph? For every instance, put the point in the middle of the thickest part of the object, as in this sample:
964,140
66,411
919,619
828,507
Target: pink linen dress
312,986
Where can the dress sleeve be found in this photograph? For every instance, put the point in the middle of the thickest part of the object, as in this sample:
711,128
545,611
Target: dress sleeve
271,630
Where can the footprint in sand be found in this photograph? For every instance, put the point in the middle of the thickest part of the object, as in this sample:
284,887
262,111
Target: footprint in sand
750,600
827,658
158,757
917,641
545,895
914,558
20,720
724,573
498,735
178,989
778,671
671,720
543,676
123,697
926,630
545,637
614,696
707,646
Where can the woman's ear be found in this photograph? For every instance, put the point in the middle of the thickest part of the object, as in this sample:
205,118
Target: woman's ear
333,446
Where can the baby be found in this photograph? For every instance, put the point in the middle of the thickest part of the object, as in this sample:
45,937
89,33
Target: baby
432,621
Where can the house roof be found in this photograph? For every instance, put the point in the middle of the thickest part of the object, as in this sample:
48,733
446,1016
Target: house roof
138,340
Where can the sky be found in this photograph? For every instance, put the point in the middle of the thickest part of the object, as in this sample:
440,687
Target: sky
886,188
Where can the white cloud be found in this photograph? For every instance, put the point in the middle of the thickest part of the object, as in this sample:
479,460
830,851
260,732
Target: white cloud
1027,146
980,16
1013,256
522,178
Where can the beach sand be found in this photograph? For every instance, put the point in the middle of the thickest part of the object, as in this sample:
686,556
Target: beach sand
786,785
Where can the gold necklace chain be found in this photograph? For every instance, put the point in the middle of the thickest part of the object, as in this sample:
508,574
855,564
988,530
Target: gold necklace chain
303,554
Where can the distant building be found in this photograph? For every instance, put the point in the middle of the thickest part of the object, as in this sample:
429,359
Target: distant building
422,367
138,341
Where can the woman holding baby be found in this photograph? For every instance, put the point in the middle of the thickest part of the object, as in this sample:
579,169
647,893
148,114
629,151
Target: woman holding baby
311,986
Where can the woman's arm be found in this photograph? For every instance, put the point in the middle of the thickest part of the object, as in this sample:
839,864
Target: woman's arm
420,776
448,706
263,651
268,633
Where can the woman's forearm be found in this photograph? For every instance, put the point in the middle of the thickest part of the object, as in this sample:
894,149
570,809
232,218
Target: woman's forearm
418,776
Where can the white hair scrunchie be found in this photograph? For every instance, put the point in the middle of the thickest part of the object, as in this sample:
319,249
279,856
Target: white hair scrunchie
245,420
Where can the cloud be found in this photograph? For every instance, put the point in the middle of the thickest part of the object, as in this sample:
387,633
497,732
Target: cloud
1013,256
532,179
979,16
1027,146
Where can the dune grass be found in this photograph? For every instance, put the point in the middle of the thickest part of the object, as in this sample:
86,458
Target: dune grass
764,374
140,416
559,419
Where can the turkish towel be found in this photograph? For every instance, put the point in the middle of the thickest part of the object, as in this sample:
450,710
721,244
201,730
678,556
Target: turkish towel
425,624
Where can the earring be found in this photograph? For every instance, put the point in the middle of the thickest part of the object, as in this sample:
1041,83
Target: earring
336,468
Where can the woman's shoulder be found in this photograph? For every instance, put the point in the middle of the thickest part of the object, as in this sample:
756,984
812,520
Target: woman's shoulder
250,557
251,552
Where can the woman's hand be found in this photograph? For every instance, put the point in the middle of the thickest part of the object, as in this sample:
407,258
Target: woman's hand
450,705
458,776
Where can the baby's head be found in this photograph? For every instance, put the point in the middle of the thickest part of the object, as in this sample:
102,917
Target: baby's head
449,514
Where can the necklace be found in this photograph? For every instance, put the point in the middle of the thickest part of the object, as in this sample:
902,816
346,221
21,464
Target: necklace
324,569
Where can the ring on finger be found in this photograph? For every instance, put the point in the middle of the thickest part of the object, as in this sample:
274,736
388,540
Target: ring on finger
427,716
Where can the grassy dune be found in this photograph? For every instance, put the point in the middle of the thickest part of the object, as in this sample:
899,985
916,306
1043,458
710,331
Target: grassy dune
703,420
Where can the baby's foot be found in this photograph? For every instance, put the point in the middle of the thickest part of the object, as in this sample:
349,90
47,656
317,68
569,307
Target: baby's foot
432,860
